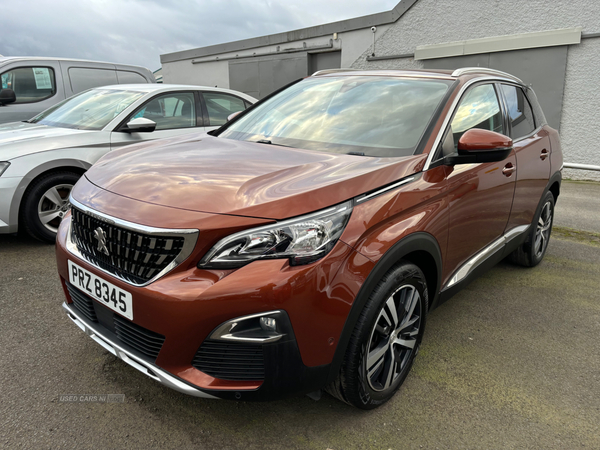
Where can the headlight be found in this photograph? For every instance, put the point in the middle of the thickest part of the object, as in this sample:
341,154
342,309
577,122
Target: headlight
3,166
303,240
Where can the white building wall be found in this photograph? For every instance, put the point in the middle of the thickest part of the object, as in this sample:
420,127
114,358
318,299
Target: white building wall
440,21
214,74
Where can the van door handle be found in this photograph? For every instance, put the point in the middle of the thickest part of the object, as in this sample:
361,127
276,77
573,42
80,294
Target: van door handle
545,153
508,169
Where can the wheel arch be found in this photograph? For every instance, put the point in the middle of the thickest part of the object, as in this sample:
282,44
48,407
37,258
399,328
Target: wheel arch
421,249
73,165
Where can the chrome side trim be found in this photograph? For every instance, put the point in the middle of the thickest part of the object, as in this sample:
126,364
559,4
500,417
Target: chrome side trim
465,86
224,332
146,368
385,189
190,237
484,254
467,70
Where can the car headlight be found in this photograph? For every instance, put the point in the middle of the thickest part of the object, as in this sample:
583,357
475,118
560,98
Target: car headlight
3,166
303,240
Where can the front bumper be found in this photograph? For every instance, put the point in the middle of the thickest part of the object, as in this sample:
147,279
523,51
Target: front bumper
151,370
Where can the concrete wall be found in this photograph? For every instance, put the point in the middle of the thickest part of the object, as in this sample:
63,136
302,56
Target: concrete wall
440,21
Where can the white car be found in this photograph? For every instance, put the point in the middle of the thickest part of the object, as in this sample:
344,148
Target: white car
41,159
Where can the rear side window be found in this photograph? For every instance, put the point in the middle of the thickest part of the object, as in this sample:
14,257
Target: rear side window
130,77
31,84
479,108
83,78
519,111
220,106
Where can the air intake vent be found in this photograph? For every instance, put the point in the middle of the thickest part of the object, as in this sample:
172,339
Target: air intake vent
230,361
138,338
144,341
83,303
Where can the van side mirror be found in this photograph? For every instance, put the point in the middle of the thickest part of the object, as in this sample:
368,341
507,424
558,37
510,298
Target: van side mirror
480,146
140,125
7,96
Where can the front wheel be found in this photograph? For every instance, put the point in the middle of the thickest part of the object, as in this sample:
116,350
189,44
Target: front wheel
45,204
386,339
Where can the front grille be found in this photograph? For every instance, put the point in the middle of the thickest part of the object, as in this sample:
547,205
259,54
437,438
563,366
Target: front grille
133,256
230,361
139,338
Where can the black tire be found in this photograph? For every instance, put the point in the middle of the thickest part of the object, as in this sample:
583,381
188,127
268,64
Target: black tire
532,251
365,389
35,203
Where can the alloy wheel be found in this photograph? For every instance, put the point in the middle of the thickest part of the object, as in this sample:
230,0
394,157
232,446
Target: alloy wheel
542,233
53,206
393,338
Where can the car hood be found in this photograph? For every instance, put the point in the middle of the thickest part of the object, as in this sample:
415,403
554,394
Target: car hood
223,176
22,138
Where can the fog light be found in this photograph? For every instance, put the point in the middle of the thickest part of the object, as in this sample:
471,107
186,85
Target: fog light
268,324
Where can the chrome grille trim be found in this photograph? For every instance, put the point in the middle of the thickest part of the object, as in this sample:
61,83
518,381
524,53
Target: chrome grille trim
189,236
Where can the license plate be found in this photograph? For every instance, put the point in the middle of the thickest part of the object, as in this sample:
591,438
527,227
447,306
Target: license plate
106,293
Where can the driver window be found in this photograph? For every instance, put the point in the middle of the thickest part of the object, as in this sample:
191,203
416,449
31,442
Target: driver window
479,108
171,111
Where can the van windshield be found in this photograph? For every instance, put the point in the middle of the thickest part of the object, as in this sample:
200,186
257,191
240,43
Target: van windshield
90,110
370,115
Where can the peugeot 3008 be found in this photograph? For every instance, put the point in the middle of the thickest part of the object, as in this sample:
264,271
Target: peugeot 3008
301,245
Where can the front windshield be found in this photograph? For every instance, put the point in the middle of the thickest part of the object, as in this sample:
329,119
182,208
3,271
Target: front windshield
90,110
370,115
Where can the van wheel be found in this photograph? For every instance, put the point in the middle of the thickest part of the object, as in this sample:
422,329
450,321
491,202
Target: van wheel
46,203
532,252
386,339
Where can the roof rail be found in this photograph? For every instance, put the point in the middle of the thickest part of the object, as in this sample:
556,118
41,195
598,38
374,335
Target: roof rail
467,70
326,71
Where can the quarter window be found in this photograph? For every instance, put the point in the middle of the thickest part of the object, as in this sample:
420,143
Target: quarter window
519,111
31,84
220,106
171,111
479,108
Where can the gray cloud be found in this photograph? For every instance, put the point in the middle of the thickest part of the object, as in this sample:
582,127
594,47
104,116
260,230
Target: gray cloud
138,31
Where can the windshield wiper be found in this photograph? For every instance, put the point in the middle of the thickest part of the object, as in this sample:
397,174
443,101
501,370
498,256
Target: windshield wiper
267,141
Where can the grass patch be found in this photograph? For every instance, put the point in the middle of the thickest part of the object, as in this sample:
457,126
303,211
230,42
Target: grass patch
570,234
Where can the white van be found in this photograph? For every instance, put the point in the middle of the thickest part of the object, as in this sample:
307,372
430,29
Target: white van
39,83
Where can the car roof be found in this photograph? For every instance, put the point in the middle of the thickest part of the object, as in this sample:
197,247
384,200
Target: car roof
463,72
159,87
7,59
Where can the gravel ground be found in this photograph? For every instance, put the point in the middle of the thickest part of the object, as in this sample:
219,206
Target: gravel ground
510,362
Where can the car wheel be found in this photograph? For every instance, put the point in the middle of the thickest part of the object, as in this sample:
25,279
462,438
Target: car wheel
386,339
532,252
46,203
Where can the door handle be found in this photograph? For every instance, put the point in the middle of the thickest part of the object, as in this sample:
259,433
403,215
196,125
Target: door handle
508,169
545,153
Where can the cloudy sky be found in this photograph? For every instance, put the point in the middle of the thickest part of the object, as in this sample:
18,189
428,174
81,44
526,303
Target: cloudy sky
138,31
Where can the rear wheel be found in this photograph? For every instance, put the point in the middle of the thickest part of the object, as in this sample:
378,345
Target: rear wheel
46,203
532,252
386,339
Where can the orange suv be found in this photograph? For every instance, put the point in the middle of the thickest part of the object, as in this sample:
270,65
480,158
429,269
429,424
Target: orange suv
300,246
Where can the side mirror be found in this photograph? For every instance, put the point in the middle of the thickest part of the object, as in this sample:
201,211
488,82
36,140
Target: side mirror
7,96
481,146
231,116
140,125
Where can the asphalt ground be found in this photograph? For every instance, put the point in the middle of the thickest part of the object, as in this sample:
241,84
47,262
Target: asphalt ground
512,361
579,206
